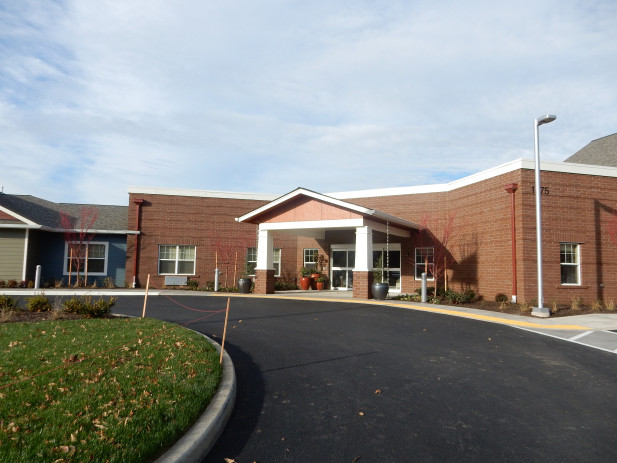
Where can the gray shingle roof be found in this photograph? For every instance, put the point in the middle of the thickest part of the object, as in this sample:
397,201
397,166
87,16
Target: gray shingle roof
47,213
600,152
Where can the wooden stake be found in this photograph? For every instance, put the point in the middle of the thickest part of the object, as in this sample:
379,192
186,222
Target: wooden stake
143,313
224,331
86,267
445,273
70,265
236,267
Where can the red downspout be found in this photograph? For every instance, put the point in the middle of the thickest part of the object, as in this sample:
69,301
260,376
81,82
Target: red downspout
511,188
138,203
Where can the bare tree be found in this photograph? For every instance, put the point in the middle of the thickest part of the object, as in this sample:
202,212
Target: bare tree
442,258
232,255
77,236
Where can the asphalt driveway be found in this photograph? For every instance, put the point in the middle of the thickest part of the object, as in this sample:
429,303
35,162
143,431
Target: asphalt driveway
336,382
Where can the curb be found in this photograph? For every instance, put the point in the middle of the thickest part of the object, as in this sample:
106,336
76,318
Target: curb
197,442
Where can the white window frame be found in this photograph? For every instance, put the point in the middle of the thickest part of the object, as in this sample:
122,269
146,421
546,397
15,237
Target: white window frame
309,258
251,258
393,247
276,259
177,260
576,263
84,269
416,265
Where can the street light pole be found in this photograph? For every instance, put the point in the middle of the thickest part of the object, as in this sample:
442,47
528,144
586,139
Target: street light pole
540,310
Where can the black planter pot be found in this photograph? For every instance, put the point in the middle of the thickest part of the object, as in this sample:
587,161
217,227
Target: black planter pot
380,290
244,285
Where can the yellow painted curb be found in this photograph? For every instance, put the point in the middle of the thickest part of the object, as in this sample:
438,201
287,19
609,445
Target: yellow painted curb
457,313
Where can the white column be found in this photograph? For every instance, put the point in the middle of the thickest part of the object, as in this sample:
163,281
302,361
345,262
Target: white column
265,250
364,249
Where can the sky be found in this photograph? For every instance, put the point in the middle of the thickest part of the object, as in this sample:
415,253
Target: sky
267,96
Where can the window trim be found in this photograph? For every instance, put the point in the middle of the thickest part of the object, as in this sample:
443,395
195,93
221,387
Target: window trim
310,264
274,261
84,271
429,277
177,260
577,264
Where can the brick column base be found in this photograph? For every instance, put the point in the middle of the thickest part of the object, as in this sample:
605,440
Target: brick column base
362,282
264,281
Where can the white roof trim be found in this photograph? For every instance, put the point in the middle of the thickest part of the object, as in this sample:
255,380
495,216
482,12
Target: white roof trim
565,167
328,199
17,216
93,231
201,193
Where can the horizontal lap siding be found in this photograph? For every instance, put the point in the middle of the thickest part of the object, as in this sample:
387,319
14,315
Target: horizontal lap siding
12,254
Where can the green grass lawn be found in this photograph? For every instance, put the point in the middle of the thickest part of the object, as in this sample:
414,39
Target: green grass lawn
117,390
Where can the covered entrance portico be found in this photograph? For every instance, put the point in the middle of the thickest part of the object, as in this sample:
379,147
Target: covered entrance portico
351,231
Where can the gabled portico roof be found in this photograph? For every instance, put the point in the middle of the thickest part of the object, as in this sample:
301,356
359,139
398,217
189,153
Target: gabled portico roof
303,209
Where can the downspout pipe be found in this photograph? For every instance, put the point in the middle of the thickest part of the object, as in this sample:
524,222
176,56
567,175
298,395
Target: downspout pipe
511,189
138,203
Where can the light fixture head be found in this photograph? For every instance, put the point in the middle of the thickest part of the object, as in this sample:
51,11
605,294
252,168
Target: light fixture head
545,119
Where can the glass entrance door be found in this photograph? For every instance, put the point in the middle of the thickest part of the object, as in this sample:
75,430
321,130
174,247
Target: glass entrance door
343,262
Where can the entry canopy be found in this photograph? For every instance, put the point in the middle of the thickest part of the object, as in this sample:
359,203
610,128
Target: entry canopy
308,213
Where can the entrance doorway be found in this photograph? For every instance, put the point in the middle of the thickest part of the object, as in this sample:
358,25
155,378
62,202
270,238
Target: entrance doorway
343,262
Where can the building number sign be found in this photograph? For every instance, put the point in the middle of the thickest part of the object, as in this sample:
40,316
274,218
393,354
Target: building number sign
543,190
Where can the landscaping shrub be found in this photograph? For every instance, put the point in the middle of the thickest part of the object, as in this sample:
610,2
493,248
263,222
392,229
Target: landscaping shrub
193,285
12,284
501,297
38,303
459,298
88,308
2,283
8,303
408,297
285,285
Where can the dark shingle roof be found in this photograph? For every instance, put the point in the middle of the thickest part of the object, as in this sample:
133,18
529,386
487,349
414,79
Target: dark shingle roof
47,213
600,152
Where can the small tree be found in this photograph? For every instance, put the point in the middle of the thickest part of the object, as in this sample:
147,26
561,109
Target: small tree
442,259
232,254
77,236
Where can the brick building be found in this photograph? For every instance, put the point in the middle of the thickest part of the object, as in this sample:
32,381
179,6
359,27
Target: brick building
190,233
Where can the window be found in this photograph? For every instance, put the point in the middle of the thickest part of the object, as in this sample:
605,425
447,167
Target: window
390,262
251,260
569,258
424,256
310,258
176,260
90,258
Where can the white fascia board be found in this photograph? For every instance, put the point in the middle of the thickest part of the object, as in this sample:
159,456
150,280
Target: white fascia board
565,167
94,231
334,224
312,224
21,226
201,193
310,194
17,216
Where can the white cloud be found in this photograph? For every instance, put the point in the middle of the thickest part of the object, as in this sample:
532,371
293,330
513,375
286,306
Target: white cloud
97,96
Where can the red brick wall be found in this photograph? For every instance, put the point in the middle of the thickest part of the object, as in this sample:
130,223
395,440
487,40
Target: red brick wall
576,209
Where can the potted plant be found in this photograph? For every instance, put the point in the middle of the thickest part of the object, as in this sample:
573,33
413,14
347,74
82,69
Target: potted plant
305,278
245,282
321,282
380,285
